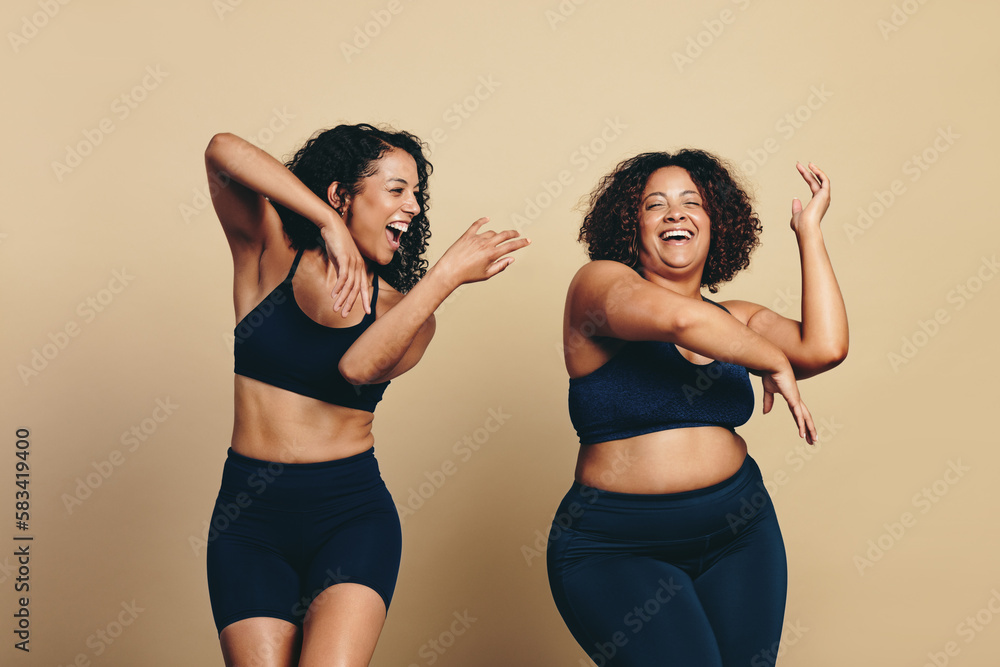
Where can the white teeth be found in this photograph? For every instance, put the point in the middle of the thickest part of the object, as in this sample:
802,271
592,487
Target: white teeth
401,226
678,234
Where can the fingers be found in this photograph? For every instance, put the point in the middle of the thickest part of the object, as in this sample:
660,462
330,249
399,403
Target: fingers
498,266
352,281
366,301
796,206
809,177
477,225
768,401
804,420
823,178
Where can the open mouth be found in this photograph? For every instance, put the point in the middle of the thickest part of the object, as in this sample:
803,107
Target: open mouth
394,232
676,235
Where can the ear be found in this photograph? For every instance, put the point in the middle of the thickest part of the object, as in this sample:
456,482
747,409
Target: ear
338,197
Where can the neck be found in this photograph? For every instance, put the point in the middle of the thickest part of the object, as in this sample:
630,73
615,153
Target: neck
689,286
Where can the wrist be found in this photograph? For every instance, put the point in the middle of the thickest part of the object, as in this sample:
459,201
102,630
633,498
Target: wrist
805,234
442,279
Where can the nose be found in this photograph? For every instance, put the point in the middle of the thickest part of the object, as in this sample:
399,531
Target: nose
675,214
410,205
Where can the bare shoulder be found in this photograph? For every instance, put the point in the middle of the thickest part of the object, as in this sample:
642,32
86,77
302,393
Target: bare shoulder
604,279
600,270
742,310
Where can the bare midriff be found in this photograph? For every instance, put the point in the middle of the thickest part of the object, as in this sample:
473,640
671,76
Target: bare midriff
272,424
668,461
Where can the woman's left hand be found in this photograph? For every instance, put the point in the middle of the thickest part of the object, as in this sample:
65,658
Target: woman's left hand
804,219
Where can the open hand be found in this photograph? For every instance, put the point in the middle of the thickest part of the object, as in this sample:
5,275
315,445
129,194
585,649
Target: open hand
352,277
783,382
480,254
819,185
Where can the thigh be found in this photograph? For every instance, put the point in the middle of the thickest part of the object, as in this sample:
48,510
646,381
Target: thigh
342,627
629,610
743,591
362,547
249,573
260,641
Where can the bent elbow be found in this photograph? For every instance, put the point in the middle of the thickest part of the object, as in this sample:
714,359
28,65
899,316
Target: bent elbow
831,358
217,145
353,375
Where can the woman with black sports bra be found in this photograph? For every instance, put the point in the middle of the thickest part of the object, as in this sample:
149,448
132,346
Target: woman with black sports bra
666,550
327,256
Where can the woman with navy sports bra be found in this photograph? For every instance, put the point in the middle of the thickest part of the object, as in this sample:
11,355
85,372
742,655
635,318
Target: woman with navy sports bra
666,550
327,255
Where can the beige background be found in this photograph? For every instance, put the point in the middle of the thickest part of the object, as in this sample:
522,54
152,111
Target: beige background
600,76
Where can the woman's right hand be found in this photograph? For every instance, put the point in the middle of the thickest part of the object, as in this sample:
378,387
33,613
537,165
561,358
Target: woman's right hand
480,255
352,276
783,382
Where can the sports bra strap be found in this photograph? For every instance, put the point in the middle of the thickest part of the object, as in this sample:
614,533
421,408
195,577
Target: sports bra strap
295,265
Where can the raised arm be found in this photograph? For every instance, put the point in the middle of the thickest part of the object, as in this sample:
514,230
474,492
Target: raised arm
398,338
819,342
243,178
611,300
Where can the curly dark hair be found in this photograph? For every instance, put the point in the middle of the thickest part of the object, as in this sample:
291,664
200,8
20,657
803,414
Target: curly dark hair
347,154
610,228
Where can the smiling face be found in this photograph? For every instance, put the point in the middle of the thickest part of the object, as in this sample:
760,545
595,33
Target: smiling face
380,213
674,228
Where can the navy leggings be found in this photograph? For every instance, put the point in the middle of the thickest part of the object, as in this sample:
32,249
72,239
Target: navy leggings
692,579
283,533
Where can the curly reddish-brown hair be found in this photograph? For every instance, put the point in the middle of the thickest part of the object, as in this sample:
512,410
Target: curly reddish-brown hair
610,228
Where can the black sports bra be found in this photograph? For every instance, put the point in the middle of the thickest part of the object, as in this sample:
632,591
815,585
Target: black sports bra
280,345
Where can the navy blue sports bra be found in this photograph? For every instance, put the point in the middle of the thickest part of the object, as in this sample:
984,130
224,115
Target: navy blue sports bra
280,345
648,386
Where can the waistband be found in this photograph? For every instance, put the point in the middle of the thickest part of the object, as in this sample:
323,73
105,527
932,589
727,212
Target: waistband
666,517
300,485
743,478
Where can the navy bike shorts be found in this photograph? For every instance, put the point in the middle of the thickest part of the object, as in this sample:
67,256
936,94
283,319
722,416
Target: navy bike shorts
691,579
283,533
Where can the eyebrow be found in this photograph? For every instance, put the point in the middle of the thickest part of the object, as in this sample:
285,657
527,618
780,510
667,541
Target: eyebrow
686,192
400,180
